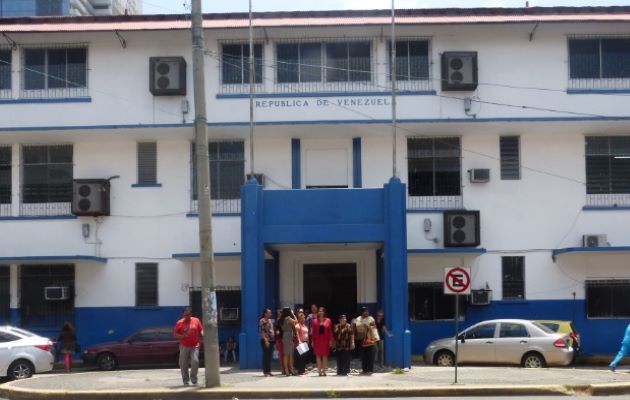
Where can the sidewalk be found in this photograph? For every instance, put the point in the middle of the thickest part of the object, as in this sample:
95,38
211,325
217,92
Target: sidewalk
421,380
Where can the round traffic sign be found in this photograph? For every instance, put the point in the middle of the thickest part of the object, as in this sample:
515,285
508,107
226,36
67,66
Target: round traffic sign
457,280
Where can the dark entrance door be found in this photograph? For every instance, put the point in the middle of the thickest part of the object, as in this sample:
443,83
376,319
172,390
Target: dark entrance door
333,286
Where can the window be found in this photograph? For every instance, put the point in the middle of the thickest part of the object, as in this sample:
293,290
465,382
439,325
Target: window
513,270
47,174
5,294
146,284
428,302
510,157
53,72
5,72
227,168
146,335
35,309
5,175
607,164
7,337
299,62
485,331
348,62
235,63
434,166
608,299
49,7
412,60
147,162
228,303
599,58
512,330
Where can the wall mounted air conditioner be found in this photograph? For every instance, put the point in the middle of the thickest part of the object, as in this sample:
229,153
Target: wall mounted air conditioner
459,71
54,293
260,178
480,297
90,197
167,76
461,228
479,175
594,241
229,314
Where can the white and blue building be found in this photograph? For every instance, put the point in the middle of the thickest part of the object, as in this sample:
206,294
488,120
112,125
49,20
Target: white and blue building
346,215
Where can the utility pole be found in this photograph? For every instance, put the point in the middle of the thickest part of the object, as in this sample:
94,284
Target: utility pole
208,293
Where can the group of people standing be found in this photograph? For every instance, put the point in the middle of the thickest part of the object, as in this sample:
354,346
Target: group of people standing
300,339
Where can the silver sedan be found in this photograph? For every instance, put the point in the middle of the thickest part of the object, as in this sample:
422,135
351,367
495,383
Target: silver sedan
503,341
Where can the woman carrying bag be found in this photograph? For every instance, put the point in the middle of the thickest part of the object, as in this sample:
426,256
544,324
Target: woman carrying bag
302,351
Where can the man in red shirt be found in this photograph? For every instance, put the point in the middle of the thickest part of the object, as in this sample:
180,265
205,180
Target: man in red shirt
188,330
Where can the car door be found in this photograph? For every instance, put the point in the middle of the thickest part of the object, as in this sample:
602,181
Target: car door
512,343
7,349
137,348
165,347
478,345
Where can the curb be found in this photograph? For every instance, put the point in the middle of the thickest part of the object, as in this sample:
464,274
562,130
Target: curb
374,392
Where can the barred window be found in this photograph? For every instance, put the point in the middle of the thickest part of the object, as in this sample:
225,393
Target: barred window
147,162
608,299
55,68
5,174
227,169
513,272
5,69
412,60
607,164
348,62
428,302
599,58
510,157
299,62
5,294
146,284
434,166
35,309
235,63
47,174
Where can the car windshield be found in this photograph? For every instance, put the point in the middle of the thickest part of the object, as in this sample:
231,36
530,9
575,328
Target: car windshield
22,332
554,327
542,327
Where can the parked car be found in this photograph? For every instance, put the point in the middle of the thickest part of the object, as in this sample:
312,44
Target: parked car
503,341
23,353
565,327
148,346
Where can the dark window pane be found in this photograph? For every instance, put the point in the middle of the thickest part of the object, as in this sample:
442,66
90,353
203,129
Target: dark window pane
5,174
257,63
512,330
620,175
434,167
584,58
418,60
60,154
35,310
146,284
57,68
336,62
5,294
288,59
510,157
311,61
77,68
5,69
615,58
607,164
608,299
598,175
359,62
421,177
34,69
48,173
597,145
427,301
232,63
49,7
513,270
227,170
485,331
147,162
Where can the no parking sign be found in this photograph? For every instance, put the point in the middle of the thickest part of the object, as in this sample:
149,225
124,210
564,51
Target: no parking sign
457,280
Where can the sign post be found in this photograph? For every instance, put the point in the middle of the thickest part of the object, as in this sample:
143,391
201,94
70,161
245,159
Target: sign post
456,281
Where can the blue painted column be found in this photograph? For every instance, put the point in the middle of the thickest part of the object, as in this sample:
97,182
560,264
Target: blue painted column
252,274
395,291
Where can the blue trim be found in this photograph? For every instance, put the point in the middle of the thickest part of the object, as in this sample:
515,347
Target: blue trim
196,215
597,91
47,101
327,94
356,163
606,249
605,208
101,260
426,210
296,164
193,256
453,250
146,308
146,185
38,217
94,127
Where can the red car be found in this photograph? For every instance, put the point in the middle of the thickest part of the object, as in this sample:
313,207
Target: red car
148,346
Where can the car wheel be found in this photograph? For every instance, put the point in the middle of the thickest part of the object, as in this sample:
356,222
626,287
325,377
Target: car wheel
20,369
444,359
533,360
107,362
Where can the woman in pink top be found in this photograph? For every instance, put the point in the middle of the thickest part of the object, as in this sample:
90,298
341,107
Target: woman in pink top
301,332
322,340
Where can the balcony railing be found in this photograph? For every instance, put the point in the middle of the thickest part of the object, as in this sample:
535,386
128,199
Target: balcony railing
434,202
45,209
608,200
220,206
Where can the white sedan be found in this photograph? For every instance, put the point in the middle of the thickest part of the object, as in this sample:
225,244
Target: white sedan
22,353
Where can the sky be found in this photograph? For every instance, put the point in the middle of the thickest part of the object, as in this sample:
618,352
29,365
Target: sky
210,6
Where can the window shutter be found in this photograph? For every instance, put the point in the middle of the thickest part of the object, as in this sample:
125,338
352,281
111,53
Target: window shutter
147,162
510,158
146,284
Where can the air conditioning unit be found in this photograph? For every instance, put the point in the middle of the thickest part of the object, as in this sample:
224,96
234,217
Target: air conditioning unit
479,175
229,314
90,197
594,241
480,297
459,71
260,178
461,228
54,293
167,76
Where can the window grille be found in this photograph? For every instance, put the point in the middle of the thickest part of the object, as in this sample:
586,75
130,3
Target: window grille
228,304
47,173
510,157
413,62
51,71
5,294
5,181
146,284
234,67
599,62
434,172
35,310
5,72
427,302
513,272
608,170
608,298
147,162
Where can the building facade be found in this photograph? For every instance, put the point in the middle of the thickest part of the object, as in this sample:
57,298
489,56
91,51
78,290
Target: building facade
28,8
532,153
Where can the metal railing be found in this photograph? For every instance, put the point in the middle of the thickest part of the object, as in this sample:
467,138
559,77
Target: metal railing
599,83
437,202
221,206
5,210
44,209
608,200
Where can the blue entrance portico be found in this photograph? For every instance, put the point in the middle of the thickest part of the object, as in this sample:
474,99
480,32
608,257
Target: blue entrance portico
272,217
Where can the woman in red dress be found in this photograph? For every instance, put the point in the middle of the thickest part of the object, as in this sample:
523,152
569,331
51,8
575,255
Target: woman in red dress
322,340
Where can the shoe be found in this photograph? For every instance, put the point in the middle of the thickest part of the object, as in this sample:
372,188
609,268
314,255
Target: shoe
185,383
612,368
193,382
323,373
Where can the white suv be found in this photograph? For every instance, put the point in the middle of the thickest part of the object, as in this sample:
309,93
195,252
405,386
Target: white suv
22,353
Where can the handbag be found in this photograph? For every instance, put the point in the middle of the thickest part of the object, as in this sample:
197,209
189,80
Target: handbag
302,348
